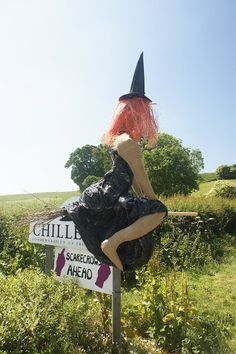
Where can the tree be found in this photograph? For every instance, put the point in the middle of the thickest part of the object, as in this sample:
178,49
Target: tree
89,180
87,161
233,171
223,172
173,169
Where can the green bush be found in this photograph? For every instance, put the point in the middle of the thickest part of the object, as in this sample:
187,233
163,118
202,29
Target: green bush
187,242
39,314
224,190
16,253
218,214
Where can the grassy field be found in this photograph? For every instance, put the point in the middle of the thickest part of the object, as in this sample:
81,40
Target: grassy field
56,198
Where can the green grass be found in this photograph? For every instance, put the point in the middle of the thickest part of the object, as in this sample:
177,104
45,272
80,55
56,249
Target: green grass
216,291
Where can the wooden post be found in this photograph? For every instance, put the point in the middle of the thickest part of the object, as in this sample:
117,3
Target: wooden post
116,309
182,213
49,261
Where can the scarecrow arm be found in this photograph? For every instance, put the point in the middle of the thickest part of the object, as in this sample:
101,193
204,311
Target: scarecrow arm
130,151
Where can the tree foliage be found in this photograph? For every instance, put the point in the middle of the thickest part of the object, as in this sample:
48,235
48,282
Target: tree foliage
89,180
87,161
172,168
223,172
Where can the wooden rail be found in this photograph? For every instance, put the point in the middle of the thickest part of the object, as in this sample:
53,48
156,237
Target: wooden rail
182,213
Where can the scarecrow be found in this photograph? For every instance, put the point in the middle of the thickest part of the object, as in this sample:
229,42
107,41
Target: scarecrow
115,224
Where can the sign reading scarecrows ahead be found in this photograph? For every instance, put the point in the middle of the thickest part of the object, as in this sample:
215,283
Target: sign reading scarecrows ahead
82,265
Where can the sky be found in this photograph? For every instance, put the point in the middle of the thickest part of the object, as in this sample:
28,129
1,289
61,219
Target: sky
63,65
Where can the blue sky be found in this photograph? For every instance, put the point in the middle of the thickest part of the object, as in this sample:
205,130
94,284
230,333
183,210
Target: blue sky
63,64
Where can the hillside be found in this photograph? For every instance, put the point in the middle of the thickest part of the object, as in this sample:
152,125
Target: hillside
208,176
206,187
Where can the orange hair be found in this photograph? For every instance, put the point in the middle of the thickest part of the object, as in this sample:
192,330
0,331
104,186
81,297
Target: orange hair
136,117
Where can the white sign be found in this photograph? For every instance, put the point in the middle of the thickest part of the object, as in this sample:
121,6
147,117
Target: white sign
82,265
72,258
56,233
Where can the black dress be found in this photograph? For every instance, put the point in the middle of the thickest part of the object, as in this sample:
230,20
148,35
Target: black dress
107,207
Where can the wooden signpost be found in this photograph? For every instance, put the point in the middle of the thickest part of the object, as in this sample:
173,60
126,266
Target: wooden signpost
116,310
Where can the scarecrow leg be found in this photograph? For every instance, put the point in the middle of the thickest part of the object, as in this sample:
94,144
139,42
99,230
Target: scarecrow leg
136,230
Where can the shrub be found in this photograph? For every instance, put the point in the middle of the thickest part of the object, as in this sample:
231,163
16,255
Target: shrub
187,242
16,253
39,314
224,190
218,213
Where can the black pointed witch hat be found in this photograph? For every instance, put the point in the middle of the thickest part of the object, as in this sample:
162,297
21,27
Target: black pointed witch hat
137,88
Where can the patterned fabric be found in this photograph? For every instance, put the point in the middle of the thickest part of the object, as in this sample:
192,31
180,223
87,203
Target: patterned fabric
107,207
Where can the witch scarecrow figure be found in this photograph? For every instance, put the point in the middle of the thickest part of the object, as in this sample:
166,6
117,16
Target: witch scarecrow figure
116,225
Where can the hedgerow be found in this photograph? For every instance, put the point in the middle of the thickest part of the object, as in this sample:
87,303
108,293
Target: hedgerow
181,242
38,314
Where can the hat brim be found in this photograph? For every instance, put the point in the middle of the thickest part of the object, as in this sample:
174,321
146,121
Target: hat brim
132,95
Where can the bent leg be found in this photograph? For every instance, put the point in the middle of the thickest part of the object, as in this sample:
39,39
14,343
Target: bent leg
134,231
